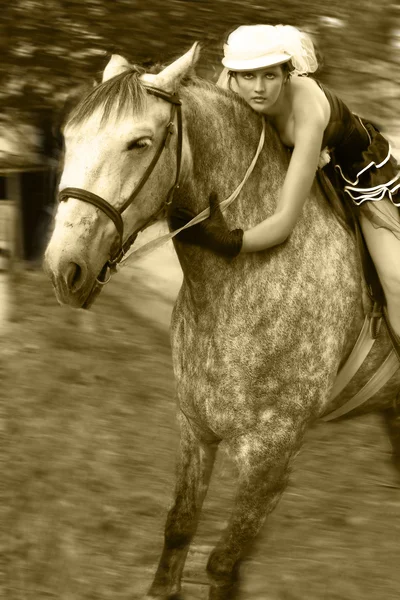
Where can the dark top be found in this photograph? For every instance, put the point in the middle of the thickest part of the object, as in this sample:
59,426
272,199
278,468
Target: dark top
361,154
344,130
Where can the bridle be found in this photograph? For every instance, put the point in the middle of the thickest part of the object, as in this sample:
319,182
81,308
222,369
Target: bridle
115,214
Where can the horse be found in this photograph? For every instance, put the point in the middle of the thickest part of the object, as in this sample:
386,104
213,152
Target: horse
257,340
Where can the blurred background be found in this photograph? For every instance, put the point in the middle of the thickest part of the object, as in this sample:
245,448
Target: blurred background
50,48
87,414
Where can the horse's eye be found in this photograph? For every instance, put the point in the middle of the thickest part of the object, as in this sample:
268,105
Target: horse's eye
138,144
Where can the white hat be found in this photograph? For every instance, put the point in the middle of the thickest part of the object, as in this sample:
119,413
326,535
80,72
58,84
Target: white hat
252,47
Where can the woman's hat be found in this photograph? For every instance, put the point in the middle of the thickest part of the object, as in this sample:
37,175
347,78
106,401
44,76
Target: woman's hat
252,47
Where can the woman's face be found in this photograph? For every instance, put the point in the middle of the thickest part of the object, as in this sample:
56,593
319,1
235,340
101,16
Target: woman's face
261,88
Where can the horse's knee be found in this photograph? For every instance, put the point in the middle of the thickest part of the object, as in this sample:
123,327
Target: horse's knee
179,529
222,568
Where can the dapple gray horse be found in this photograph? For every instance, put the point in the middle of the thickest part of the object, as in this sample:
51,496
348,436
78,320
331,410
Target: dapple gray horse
257,341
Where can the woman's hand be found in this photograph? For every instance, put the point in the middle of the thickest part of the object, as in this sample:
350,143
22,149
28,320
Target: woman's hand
212,233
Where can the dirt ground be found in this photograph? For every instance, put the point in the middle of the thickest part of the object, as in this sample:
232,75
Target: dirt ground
88,442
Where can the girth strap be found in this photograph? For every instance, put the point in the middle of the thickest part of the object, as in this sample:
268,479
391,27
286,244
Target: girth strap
359,353
387,369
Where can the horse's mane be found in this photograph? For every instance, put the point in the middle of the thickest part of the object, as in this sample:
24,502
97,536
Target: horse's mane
127,92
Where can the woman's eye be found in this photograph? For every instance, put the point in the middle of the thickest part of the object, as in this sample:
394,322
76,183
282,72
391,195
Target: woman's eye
138,144
269,75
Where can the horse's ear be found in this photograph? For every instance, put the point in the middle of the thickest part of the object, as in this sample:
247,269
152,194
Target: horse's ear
116,65
169,78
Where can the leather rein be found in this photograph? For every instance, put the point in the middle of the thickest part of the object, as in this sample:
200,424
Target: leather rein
115,214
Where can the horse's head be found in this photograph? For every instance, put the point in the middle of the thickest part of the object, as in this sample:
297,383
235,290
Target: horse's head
121,163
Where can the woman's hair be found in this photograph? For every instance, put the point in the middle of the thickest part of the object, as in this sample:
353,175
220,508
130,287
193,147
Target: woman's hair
287,70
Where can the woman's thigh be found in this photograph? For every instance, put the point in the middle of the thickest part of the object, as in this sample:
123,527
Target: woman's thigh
380,223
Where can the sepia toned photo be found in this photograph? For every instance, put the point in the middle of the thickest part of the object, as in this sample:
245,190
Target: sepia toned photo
200,300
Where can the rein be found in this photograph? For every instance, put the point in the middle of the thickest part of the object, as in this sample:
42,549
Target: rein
115,214
204,214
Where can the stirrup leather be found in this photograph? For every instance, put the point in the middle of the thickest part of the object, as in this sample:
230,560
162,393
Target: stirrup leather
394,338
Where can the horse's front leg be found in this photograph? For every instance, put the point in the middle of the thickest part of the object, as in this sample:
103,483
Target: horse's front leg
263,461
195,463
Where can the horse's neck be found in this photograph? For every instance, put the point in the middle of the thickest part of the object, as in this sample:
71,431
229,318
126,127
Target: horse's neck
223,136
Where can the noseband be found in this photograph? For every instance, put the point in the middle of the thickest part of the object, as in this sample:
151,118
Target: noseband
116,214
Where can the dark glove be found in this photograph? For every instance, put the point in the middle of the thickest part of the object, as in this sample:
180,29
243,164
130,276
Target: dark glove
212,233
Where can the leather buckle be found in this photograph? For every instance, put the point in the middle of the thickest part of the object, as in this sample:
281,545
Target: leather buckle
170,132
375,321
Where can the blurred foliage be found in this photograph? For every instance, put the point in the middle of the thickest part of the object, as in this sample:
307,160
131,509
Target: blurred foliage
50,46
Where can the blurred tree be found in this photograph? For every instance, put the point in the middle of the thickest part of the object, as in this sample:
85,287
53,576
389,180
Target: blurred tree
48,46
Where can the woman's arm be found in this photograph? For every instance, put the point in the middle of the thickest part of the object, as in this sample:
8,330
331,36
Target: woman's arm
310,120
309,127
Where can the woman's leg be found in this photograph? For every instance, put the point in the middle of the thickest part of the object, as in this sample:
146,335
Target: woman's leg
380,223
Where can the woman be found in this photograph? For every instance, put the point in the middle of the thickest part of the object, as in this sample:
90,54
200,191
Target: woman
266,65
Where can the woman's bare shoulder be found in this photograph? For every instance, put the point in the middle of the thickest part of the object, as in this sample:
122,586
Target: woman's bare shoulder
302,82
309,97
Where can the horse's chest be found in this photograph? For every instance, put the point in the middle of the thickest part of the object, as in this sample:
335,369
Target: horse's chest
248,350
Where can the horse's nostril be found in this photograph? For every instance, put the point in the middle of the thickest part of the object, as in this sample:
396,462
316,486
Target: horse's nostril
74,276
